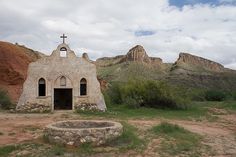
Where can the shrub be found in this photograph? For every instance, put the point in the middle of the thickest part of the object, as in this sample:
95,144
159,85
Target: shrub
196,94
6,150
233,94
5,101
214,95
147,93
113,94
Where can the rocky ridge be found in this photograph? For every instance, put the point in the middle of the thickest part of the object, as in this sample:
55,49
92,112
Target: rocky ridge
14,61
189,59
185,60
135,54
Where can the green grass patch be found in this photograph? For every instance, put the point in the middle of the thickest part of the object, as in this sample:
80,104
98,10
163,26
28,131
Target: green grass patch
58,150
85,149
124,112
168,129
6,150
128,140
196,110
177,140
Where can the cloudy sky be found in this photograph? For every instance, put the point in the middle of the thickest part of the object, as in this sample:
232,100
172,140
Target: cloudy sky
102,28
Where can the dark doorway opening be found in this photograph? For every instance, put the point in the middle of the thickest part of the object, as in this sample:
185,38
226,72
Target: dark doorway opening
62,99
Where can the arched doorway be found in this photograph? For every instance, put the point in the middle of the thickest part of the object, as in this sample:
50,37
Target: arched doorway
63,97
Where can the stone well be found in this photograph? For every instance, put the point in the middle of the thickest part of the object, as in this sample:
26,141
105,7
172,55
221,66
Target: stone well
76,132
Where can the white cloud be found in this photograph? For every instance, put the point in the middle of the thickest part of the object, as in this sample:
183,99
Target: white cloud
227,1
107,27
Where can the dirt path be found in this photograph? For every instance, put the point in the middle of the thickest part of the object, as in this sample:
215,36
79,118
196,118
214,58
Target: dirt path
220,135
16,128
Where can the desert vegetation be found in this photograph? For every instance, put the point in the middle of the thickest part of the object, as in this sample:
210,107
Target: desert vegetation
158,119
147,93
5,101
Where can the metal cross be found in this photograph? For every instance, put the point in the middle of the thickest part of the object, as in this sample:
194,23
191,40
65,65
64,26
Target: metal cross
63,37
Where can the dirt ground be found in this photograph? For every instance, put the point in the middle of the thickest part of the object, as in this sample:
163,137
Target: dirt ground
220,135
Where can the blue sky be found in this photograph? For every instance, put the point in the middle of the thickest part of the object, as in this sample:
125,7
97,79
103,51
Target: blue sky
140,33
181,3
106,28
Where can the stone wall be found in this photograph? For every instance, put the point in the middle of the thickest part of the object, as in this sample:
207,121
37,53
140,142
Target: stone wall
74,133
86,107
38,105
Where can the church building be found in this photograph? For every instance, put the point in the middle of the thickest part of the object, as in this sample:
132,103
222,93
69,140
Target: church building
61,81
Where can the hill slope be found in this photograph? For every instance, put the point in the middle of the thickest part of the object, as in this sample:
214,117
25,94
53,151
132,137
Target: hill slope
14,61
189,70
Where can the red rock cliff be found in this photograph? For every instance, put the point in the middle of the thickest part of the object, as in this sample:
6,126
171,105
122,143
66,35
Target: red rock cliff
14,61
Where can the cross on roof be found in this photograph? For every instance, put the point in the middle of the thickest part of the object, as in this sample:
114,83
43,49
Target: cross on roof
63,37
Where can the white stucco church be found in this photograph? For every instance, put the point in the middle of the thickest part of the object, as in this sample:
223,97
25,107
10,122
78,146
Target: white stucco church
61,81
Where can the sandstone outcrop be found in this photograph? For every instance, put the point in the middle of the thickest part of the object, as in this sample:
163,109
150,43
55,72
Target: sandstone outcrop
108,61
192,60
135,54
14,60
139,54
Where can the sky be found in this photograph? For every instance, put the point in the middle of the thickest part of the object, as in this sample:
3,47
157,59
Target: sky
106,28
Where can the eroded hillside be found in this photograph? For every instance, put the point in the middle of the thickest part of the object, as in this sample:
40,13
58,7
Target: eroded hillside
14,61
189,70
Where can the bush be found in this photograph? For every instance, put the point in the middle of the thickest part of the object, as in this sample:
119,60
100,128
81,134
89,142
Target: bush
213,95
196,94
233,94
137,93
113,94
5,101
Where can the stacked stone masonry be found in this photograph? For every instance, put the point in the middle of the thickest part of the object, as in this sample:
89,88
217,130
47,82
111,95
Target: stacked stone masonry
75,132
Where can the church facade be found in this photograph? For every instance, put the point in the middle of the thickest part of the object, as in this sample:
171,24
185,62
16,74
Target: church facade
61,81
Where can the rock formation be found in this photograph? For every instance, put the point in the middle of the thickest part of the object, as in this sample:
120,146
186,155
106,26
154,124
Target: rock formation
135,54
108,61
138,54
14,60
191,60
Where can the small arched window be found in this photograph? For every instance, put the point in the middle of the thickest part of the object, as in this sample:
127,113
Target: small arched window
83,87
63,81
42,87
63,52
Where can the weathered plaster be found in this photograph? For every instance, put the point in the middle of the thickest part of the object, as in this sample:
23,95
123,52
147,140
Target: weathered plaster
52,68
